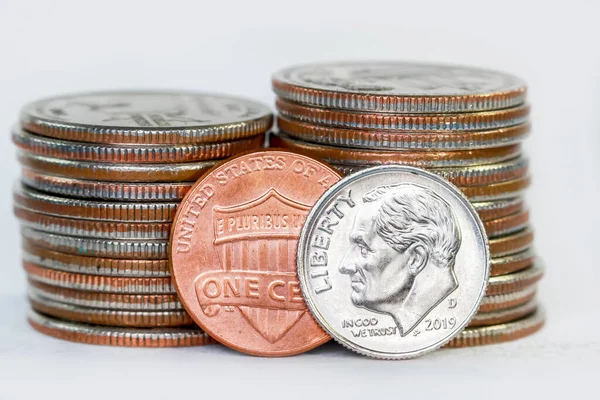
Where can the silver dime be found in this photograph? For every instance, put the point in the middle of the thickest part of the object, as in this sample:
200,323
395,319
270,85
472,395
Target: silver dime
393,261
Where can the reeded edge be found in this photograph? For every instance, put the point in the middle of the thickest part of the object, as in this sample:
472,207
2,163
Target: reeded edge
302,244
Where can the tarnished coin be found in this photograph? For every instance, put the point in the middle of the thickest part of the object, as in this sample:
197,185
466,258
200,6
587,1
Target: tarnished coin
399,87
490,210
413,140
515,281
500,333
507,225
102,171
514,262
363,158
510,244
393,261
102,190
123,153
78,264
473,121
497,191
507,300
503,316
146,117
233,251
114,336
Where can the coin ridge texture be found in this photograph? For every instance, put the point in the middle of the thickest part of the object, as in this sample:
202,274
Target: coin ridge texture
146,117
233,251
384,227
401,87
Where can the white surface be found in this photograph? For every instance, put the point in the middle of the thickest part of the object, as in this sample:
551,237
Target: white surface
51,47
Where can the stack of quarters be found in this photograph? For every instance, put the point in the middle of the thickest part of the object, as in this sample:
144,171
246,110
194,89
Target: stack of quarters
464,124
102,176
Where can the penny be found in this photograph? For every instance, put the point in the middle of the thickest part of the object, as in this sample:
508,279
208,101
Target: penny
148,249
114,336
515,281
500,333
507,225
95,210
511,244
123,153
119,191
507,300
393,261
414,140
233,251
94,229
494,209
362,158
139,319
98,283
513,262
392,86
102,171
146,117
503,316
110,301
405,122
78,264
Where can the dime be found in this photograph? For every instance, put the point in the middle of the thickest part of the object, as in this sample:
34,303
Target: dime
503,316
139,319
123,153
148,249
109,301
515,281
513,262
507,225
413,140
98,283
500,333
33,200
113,336
507,300
416,256
95,229
79,264
146,117
111,172
490,210
399,87
511,244
233,251
497,191
119,191
417,158
405,122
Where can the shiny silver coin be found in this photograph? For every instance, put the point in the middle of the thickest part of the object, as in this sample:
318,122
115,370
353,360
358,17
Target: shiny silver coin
146,117
393,262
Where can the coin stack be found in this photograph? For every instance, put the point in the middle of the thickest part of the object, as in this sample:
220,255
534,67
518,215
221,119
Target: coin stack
464,124
102,176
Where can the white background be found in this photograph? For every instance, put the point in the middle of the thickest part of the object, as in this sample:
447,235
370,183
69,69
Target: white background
52,47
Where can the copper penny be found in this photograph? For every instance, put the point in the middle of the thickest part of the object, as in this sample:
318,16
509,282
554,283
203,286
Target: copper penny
233,251
503,316
513,262
511,244
507,225
515,281
507,300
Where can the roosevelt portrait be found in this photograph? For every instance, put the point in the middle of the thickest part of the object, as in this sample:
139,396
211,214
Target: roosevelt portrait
403,247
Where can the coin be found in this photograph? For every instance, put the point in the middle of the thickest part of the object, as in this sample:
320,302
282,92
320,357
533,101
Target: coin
123,153
138,319
146,117
515,281
511,244
500,333
508,300
102,171
119,191
416,256
147,249
95,229
507,225
503,316
79,264
364,158
513,262
497,191
109,301
114,336
405,122
413,140
392,86
95,210
233,251
494,209
98,283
